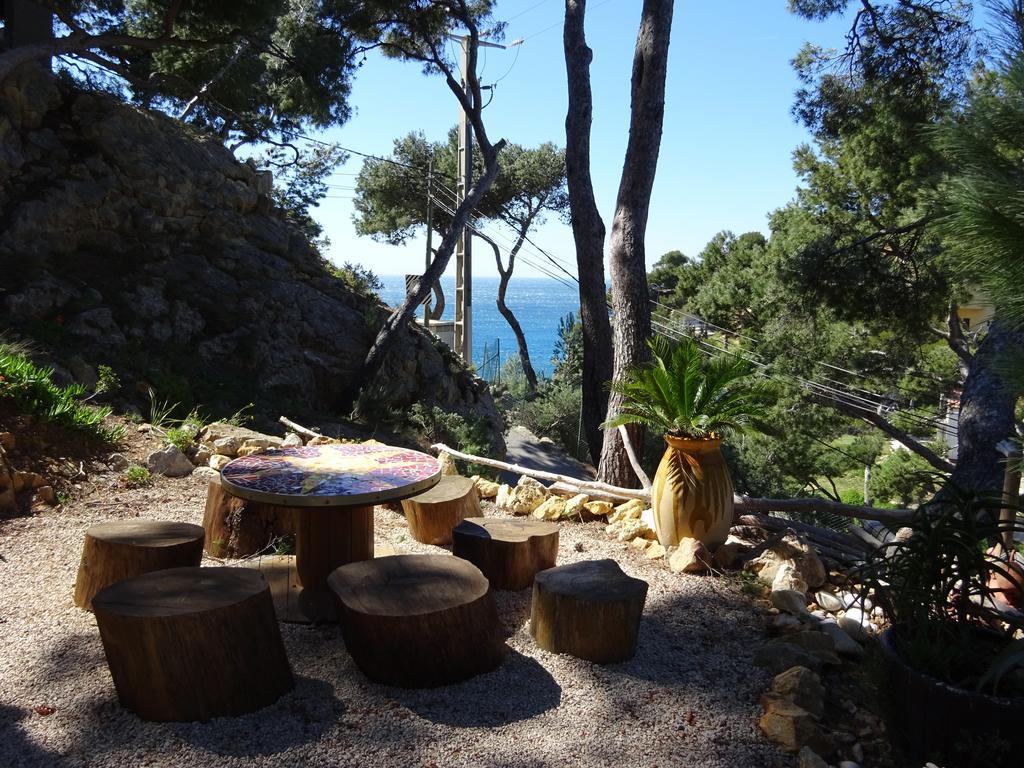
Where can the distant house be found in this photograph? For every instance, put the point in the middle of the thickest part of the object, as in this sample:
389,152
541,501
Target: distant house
976,311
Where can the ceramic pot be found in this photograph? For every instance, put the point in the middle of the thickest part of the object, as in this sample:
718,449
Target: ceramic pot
961,728
692,493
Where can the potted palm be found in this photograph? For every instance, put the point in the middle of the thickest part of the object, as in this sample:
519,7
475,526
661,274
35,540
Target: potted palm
694,400
950,648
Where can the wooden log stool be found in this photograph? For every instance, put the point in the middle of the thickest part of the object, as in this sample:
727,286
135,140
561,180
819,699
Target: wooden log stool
589,609
190,644
418,621
125,548
237,527
433,514
508,552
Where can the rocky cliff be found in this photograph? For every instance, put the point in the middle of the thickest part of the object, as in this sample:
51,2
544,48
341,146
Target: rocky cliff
126,241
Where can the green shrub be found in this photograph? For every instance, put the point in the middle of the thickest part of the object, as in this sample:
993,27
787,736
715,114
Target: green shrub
137,476
903,478
554,413
32,390
469,435
357,278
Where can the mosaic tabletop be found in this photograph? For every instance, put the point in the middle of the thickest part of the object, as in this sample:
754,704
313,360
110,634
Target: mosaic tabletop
331,475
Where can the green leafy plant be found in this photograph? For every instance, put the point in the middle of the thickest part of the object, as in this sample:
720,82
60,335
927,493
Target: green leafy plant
684,393
32,389
468,434
137,476
935,588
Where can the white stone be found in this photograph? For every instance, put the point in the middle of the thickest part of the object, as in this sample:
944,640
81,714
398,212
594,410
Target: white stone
291,440
790,601
169,462
854,623
845,644
828,601
218,462
227,446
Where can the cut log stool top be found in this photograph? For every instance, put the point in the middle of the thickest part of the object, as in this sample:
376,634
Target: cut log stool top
589,609
125,548
509,552
193,643
418,621
433,514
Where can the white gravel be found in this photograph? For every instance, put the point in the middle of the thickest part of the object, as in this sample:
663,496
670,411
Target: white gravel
688,698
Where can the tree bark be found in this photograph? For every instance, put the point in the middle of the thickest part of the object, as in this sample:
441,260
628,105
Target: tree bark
587,229
503,308
986,414
630,296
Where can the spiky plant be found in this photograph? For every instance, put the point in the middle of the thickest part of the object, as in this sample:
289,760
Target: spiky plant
685,393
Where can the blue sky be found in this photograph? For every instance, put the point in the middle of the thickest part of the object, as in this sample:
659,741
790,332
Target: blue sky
728,136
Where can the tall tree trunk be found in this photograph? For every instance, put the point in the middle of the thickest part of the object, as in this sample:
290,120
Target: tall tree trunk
631,307
986,413
510,318
587,229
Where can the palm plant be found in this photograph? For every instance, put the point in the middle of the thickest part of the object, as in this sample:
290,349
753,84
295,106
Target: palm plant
684,393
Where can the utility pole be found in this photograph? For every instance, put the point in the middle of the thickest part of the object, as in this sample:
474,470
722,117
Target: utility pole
464,246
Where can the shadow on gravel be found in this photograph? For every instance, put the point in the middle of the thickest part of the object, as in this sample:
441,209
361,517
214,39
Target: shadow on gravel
513,610
301,716
517,690
15,748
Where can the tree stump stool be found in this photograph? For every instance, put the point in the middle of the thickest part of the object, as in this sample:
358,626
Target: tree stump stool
589,609
433,514
190,644
125,548
418,621
508,552
236,527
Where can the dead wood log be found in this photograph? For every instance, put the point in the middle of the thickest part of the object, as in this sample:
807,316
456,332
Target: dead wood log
190,644
418,621
434,513
119,550
589,609
508,552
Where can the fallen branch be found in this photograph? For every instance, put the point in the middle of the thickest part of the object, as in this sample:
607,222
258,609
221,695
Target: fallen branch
822,544
834,539
538,474
645,481
747,504
594,494
299,429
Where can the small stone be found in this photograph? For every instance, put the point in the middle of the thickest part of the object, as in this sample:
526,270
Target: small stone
777,656
630,510
202,454
691,556
640,543
46,494
574,506
118,462
598,508
822,646
848,764
250,450
227,446
854,623
8,441
790,726
291,440
726,555
25,480
845,644
550,509
790,601
263,442
655,551
205,473
810,759
447,464
169,462
858,752
797,553
486,488
782,623
631,529
803,687
218,462
828,601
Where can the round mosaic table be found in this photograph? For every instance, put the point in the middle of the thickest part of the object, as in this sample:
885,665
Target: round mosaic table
333,489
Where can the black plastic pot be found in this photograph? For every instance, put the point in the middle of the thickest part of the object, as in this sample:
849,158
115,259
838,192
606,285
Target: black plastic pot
936,720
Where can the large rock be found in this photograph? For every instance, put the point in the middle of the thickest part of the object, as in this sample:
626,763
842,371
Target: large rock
793,551
524,498
777,656
135,243
845,645
803,687
550,509
169,461
691,556
791,726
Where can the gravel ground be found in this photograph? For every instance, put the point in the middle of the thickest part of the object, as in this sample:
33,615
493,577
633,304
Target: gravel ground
688,698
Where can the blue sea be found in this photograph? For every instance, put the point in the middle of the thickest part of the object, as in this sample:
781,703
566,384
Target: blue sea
538,304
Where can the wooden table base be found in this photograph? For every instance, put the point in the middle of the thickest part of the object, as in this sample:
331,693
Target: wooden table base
328,537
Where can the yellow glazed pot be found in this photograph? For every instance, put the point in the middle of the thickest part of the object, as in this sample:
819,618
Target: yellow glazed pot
692,492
